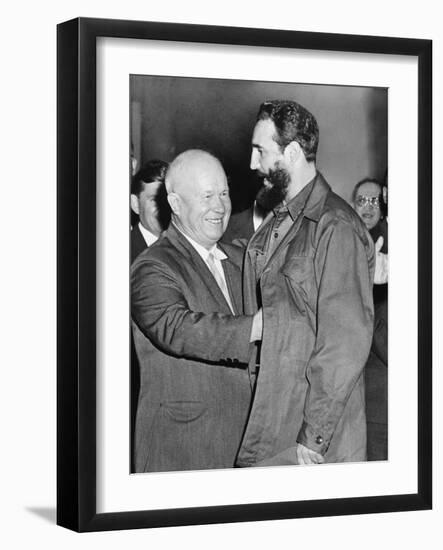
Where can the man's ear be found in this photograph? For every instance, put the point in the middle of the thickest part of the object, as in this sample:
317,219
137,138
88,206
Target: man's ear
292,152
134,204
174,202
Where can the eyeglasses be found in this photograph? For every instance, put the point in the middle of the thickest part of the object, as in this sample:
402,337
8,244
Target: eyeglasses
361,201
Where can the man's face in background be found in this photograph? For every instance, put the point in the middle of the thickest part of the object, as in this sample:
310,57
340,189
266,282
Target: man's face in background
367,203
146,205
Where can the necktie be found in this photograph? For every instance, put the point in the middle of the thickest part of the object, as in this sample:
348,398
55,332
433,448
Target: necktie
220,280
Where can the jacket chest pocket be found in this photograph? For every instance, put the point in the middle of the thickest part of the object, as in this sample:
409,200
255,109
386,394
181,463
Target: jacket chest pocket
300,278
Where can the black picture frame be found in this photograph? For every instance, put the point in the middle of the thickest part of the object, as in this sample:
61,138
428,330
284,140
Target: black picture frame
76,274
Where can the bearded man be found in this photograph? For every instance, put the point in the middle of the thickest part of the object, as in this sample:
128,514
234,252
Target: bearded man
310,267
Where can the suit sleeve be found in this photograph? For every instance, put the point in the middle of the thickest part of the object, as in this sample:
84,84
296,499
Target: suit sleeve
344,331
160,309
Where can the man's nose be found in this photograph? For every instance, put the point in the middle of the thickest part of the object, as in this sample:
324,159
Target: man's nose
254,160
217,204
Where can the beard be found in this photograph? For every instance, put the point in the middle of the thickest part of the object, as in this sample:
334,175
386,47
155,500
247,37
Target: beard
270,196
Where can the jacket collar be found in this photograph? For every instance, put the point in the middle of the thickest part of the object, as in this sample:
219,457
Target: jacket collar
181,243
184,243
179,240
297,204
312,210
316,200
201,250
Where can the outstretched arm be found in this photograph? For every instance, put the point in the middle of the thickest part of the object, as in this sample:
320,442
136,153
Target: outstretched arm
161,311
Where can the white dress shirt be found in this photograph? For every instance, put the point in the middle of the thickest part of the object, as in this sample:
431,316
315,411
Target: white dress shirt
149,237
257,216
218,255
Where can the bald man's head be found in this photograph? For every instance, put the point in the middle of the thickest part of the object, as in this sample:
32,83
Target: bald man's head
187,165
198,194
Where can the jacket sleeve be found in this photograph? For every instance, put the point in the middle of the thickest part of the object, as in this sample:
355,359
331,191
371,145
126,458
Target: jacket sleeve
344,330
160,309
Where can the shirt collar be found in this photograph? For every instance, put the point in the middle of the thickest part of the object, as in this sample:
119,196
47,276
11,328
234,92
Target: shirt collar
257,216
296,205
202,251
149,237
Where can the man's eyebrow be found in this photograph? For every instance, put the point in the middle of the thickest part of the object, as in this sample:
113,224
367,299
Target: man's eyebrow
256,146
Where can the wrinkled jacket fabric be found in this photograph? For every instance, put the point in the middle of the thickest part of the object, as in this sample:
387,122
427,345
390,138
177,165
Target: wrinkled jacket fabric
316,294
195,391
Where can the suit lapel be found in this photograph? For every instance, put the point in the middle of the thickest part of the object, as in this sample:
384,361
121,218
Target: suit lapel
231,276
138,243
201,270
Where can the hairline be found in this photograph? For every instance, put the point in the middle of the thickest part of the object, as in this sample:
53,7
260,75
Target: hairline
362,182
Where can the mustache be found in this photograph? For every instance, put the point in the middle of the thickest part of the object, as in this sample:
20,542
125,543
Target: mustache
261,175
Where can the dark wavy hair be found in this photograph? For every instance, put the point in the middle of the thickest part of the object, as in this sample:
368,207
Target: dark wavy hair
293,123
154,170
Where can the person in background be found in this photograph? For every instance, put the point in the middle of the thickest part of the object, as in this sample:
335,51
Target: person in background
133,162
369,203
151,214
310,267
242,225
192,342
148,202
369,198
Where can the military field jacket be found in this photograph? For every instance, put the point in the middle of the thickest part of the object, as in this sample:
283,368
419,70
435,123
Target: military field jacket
316,294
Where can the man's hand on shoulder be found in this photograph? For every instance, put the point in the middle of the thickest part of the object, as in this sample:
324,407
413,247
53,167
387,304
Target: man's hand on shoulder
307,456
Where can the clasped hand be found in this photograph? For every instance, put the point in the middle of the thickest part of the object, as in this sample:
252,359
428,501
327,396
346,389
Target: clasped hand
308,456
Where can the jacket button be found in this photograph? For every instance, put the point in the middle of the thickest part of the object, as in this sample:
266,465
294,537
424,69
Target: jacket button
319,440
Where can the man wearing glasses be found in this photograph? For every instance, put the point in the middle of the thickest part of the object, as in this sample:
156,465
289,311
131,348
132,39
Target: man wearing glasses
370,205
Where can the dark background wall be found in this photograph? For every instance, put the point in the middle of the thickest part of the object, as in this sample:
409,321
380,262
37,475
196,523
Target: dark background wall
170,115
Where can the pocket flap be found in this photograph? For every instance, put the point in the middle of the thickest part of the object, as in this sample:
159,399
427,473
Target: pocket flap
184,411
298,269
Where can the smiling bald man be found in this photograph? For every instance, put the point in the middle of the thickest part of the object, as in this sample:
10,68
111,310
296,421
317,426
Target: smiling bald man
192,343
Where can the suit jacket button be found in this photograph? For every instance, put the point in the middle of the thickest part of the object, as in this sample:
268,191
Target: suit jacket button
319,440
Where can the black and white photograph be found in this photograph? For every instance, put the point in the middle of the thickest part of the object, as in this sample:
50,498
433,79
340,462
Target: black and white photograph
258,273
227,357
204,205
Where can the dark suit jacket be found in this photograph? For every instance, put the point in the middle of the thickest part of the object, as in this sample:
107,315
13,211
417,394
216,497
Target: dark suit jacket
241,226
376,374
195,391
138,243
